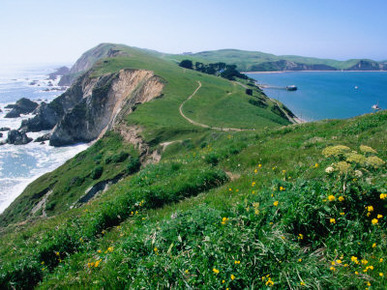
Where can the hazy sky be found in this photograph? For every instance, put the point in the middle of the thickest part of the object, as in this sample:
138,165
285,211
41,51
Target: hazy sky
42,31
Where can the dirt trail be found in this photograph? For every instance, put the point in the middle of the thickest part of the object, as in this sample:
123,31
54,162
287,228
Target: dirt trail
204,125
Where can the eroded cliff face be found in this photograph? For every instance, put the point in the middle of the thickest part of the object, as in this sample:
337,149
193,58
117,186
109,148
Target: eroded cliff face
105,100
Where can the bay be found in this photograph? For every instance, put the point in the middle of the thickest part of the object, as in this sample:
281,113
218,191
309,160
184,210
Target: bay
327,95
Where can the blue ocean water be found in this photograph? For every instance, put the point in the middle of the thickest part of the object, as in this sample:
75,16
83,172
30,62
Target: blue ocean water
21,164
327,95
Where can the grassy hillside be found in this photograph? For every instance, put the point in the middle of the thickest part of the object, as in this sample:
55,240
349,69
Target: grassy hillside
159,121
276,219
271,206
254,60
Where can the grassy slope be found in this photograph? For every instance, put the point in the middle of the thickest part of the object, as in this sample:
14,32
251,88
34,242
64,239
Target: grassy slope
245,60
160,120
159,243
163,226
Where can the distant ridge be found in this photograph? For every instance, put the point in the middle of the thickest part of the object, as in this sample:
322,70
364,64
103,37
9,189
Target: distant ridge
260,61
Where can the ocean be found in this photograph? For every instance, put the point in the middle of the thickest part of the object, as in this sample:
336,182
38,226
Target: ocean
327,95
21,164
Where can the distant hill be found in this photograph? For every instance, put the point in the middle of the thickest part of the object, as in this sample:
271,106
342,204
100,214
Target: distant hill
259,61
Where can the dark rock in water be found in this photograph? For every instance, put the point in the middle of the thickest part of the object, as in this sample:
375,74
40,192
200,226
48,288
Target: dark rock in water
5,129
10,106
22,106
42,143
13,114
59,72
45,119
1,135
17,138
43,138
33,83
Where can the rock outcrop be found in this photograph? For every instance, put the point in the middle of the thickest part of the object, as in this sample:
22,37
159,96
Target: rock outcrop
88,59
22,106
18,138
105,99
64,70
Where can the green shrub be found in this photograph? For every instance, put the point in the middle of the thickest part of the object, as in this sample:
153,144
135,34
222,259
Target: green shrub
97,172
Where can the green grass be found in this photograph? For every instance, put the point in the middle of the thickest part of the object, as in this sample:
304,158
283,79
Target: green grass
161,243
69,182
221,209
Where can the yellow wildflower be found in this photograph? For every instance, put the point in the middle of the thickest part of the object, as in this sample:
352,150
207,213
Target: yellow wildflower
339,261
300,236
253,183
259,165
99,251
354,259
381,260
275,203
333,263
237,262
216,271
346,265
284,171
332,221
232,277
374,245
269,282
282,188
97,263
331,198
224,220
223,281
383,195
300,260
186,271
374,221
316,165
342,213
332,268
379,216
302,283
368,283
255,170
364,261
370,208
381,274
110,249
341,198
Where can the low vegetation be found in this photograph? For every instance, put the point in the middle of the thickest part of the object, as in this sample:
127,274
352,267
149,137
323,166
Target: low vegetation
272,205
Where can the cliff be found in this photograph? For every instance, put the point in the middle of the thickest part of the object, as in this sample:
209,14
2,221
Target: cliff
93,105
103,100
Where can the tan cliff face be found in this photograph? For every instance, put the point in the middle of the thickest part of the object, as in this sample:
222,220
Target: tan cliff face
106,100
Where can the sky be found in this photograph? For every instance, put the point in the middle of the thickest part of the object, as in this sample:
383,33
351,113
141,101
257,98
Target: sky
40,31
